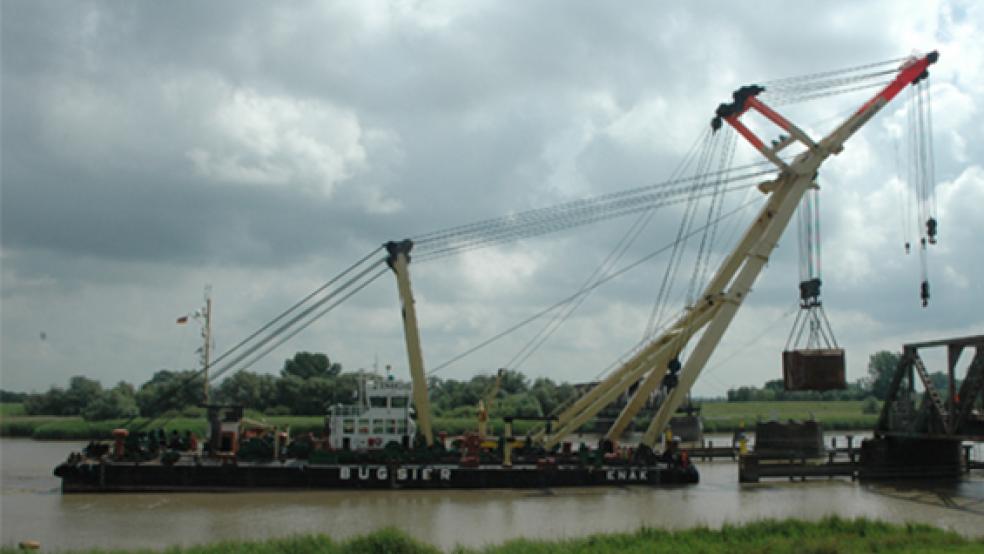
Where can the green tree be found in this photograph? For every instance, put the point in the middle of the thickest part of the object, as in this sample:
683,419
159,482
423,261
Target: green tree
307,365
870,406
514,382
523,404
170,390
252,390
118,402
881,369
81,391
50,403
57,401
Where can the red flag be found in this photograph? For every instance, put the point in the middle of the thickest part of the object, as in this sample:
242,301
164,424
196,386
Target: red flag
182,320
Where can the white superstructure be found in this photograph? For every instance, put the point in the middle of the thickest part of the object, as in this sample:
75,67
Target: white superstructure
382,415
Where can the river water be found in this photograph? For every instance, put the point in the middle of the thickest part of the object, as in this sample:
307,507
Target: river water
32,507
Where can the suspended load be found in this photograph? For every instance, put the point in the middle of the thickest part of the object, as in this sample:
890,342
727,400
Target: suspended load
816,369
812,361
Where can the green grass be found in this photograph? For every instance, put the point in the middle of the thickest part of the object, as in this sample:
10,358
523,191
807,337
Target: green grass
834,415
11,409
830,535
718,417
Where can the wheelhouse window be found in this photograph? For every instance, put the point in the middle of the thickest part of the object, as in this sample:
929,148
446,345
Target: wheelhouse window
398,402
377,401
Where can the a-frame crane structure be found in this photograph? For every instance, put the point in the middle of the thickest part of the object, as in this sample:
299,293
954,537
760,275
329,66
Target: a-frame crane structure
659,361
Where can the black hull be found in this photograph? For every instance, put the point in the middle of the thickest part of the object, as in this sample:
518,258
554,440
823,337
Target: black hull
129,477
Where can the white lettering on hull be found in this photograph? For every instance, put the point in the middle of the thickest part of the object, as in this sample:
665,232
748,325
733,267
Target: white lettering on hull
381,473
627,475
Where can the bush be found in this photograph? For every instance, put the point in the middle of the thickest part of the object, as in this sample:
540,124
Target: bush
870,406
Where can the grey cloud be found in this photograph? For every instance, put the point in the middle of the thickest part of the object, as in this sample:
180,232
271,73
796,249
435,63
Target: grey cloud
459,116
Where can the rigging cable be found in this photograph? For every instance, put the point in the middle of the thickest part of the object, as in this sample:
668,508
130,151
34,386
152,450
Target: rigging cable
567,299
627,240
672,263
580,212
252,348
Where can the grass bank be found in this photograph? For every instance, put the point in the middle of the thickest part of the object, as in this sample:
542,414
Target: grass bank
720,417
831,535
835,415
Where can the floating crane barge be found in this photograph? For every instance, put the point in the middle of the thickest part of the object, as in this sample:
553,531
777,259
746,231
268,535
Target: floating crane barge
409,457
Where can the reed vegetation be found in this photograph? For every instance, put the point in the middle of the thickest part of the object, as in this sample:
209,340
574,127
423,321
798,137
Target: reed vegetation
830,535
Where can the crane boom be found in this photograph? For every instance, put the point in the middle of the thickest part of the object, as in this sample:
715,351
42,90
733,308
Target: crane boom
399,260
715,309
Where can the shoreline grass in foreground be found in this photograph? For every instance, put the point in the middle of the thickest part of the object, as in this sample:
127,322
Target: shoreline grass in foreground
830,535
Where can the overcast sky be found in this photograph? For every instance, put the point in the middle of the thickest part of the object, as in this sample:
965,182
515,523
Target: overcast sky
151,148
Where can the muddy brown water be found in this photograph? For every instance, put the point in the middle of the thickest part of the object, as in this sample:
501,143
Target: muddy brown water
32,507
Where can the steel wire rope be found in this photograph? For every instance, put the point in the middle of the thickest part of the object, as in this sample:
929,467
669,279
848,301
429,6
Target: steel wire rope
563,301
720,205
513,224
249,350
192,378
812,87
300,328
316,317
563,315
697,281
703,249
539,212
645,341
564,219
929,137
765,330
783,101
625,208
830,73
627,240
354,281
672,265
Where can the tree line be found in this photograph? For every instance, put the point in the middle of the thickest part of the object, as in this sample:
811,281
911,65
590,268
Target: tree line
309,383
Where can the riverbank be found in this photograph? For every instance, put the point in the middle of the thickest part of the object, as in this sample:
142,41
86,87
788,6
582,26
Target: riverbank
718,417
791,536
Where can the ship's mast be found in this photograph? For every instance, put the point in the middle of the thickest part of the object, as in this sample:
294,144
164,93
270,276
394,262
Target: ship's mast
207,336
